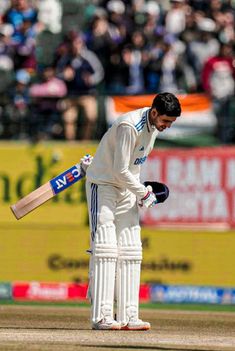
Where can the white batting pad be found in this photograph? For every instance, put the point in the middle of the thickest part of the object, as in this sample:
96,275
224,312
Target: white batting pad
102,275
128,274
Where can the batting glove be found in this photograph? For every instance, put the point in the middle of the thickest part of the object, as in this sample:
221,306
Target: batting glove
149,200
85,163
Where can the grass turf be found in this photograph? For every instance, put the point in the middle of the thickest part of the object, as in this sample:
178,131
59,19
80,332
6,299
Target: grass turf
161,306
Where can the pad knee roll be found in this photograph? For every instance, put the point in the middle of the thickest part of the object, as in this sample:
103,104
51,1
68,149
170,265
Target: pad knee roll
129,244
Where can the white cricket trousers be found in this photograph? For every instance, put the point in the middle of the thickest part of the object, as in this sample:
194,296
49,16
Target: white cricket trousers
116,253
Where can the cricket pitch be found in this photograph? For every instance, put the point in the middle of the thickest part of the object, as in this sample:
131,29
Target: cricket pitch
53,328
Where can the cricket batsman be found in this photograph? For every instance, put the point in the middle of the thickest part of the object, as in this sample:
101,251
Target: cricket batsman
114,195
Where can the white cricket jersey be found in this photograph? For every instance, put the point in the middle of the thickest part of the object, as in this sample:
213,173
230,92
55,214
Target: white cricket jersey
121,152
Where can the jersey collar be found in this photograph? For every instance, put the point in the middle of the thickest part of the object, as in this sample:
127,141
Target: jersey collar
150,127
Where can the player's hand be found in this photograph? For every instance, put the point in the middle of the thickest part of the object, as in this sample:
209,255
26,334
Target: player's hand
85,163
149,200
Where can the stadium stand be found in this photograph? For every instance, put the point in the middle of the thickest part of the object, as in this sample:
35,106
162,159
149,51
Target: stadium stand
143,46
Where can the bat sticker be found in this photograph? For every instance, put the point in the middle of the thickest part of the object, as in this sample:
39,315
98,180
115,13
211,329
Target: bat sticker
64,180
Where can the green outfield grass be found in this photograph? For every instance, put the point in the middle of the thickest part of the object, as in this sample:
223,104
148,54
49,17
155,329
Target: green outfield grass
160,306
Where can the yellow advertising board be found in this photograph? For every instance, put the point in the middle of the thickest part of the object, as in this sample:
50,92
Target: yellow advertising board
189,257
24,167
27,244
49,244
57,253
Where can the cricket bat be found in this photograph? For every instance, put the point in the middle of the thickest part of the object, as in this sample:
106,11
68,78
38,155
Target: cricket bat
46,191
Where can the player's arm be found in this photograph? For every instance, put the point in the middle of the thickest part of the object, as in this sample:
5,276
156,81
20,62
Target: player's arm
126,139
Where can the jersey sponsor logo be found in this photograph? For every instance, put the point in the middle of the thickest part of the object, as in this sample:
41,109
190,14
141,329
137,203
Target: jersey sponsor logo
140,160
64,180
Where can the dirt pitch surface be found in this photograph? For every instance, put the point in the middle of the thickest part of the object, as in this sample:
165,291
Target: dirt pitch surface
35,328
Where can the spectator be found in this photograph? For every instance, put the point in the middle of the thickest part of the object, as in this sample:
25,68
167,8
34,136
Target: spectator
23,18
99,38
50,86
135,60
175,20
119,22
45,120
218,79
132,59
117,78
191,29
153,64
152,25
227,27
177,75
126,74
170,67
64,47
82,71
19,12
24,46
50,15
18,110
6,57
202,46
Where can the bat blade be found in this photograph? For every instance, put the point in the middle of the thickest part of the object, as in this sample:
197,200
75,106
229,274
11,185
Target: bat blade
32,200
46,191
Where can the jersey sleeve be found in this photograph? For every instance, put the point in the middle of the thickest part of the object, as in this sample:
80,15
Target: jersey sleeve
126,139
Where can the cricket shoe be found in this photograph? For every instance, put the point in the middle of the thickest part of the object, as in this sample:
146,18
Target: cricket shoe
136,324
106,324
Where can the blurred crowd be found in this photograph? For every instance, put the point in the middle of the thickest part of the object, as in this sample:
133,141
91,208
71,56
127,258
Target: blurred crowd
57,57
